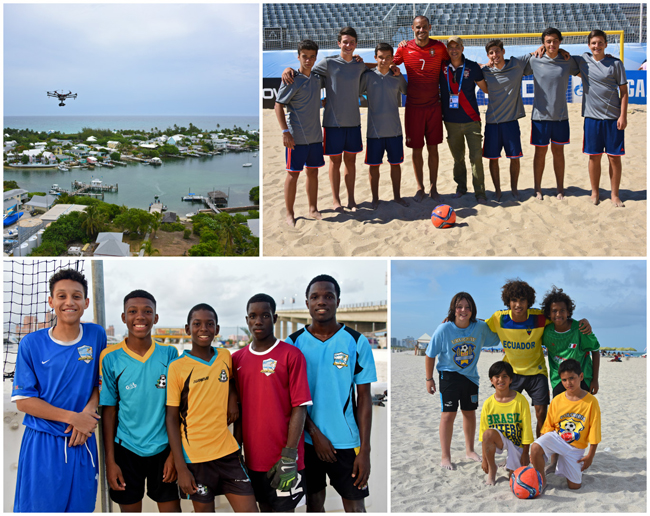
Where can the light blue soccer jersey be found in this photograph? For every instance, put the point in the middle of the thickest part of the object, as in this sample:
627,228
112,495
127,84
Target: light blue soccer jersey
138,386
63,374
458,349
334,367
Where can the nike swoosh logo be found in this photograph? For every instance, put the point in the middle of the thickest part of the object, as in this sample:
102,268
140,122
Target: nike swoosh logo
411,51
46,361
285,468
239,368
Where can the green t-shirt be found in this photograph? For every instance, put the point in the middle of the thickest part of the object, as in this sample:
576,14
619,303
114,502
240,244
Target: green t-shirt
570,344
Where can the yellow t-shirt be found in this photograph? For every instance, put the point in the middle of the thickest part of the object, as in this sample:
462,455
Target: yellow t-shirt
512,419
577,422
522,342
200,390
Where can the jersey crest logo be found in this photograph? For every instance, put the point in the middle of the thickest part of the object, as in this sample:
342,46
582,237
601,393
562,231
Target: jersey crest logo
432,52
268,366
223,377
341,360
569,429
463,354
162,382
85,353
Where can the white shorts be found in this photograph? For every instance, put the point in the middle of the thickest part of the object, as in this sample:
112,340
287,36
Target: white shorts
514,452
568,456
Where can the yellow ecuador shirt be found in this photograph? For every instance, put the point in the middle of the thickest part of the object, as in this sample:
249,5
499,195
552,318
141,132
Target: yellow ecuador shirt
200,390
522,342
512,419
577,422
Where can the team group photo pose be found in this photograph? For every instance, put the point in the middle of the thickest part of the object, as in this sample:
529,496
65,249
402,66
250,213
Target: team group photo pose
533,378
270,421
432,96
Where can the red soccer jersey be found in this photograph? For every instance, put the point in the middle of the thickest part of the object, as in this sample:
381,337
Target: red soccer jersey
422,70
270,384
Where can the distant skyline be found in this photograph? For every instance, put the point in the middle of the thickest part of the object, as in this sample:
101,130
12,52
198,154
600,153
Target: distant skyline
611,294
132,59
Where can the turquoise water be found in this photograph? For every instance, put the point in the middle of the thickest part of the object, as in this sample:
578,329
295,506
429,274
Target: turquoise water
73,124
139,183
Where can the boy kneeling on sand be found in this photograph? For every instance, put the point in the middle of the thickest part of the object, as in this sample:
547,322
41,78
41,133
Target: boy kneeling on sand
572,422
505,423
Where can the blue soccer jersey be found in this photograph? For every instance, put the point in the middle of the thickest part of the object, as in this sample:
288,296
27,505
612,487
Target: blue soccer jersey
63,374
138,386
334,367
458,349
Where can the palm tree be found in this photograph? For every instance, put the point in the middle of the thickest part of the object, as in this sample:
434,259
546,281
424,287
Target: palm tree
92,220
155,223
230,231
149,248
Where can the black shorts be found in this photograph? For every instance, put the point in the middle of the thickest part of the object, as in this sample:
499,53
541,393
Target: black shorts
455,388
220,476
280,501
536,386
559,388
135,469
339,473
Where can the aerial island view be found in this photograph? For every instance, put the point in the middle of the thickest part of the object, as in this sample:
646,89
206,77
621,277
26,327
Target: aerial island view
130,157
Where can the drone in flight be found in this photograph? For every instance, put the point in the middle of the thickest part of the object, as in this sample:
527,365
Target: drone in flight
62,96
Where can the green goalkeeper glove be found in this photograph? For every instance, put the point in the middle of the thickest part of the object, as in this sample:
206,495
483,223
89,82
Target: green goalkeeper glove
284,473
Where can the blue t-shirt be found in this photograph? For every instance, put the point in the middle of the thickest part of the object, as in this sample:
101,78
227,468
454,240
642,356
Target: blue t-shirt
467,111
138,386
458,349
334,367
63,374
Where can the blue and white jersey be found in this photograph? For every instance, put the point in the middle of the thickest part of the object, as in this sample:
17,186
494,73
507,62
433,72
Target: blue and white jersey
458,349
63,374
138,386
334,367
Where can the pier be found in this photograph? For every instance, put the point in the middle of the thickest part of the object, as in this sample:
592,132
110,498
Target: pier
79,187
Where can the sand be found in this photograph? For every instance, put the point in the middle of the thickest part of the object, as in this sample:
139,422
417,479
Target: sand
571,227
615,482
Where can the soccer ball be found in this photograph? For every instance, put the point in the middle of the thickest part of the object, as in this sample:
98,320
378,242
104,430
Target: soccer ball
526,482
443,216
464,349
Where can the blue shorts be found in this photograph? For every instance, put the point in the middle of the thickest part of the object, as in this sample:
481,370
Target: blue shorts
504,136
603,136
53,477
337,140
301,156
544,131
375,148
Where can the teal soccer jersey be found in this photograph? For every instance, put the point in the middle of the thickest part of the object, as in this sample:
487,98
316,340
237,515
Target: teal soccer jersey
334,367
138,387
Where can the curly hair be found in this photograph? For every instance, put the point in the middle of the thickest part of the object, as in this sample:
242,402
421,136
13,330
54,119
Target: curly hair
557,295
517,289
451,315
68,274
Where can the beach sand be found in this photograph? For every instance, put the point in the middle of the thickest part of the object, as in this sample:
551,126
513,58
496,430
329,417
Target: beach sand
615,482
571,227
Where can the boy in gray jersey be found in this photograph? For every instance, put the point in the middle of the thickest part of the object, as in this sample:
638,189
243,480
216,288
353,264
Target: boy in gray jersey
341,120
384,133
503,78
605,113
302,135
550,118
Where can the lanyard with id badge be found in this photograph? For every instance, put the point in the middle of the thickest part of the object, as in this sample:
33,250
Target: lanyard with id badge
453,99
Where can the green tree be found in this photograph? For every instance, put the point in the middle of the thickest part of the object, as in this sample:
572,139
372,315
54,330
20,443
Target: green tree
134,220
10,185
92,220
156,220
149,249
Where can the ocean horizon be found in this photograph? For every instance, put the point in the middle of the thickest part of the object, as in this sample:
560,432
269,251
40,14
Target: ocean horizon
69,124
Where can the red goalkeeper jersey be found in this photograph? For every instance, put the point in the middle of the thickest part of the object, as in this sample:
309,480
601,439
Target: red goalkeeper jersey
423,71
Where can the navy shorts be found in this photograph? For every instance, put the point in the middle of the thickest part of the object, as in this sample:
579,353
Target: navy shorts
544,131
337,140
280,501
219,476
339,473
455,389
603,136
301,156
393,147
535,385
504,136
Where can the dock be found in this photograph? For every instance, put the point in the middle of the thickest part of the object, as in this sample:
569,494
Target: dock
79,187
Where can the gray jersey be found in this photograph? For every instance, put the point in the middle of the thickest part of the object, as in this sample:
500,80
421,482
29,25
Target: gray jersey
600,82
504,90
551,83
302,99
383,102
342,87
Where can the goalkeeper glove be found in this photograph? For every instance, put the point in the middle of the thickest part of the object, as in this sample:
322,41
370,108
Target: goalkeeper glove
284,473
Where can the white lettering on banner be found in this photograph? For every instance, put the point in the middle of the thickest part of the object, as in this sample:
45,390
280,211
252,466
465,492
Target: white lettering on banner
526,92
269,93
636,88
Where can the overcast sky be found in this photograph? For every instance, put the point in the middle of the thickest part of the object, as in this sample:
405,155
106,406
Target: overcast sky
132,59
611,294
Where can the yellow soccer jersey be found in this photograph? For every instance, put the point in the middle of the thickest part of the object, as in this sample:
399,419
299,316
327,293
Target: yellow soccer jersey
577,422
512,419
200,390
522,342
